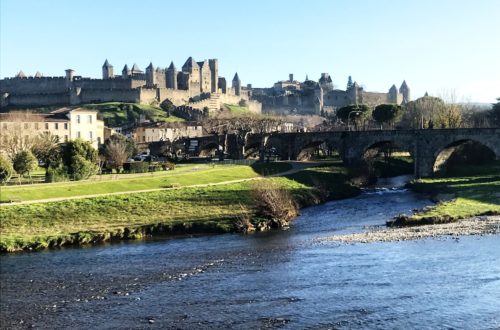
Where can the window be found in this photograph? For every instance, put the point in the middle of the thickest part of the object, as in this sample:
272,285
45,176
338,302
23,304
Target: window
26,125
90,135
78,119
46,125
65,138
89,120
78,135
56,125
65,125
143,138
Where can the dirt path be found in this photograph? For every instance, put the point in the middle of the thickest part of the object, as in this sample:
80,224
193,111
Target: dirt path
296,167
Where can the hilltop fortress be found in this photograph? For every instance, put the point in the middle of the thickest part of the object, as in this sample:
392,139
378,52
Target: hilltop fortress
196,85
321,97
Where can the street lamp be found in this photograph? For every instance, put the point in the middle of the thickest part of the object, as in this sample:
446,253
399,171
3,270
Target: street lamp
357,112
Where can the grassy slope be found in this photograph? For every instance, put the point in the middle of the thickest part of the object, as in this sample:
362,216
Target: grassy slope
118,113
205,174
475,193
211,208
236,109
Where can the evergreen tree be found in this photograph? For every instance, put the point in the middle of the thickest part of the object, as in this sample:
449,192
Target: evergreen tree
349,83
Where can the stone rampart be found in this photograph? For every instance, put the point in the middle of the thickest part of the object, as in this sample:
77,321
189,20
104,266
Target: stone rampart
111,95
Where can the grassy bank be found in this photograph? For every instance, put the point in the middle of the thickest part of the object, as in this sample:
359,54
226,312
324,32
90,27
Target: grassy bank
201,174
463,193
135,215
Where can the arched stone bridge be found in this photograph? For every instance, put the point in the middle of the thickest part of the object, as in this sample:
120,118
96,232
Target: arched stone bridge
425,146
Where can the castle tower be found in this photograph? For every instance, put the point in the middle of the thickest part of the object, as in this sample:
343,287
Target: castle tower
237,85
405,91
38,75
150,75
193,69
20,74
205,77
214,71
107,70
326,82
353,93
172,76
69,77
221,82
318,93
125,72
393,94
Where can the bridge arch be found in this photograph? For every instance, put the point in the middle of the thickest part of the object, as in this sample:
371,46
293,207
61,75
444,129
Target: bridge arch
319,147
472,150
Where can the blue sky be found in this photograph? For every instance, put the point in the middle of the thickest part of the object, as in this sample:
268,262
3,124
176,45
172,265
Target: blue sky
439,46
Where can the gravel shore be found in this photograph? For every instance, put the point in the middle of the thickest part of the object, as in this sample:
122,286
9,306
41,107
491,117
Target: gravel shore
481,225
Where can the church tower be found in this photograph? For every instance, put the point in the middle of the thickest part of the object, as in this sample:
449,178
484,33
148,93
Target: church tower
237,85
107,70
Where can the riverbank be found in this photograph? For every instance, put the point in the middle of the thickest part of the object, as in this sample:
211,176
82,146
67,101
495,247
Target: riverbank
482,225
181,210
466,192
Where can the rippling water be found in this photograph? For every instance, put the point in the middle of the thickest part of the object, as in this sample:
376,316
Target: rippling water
280,279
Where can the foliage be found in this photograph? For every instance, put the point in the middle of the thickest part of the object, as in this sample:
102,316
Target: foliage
136,167
432,112
494,114
349,83
274,202
6,170
386,113
116,114
24,162
79,158
56,172
13,140
353,109
117,149
45,148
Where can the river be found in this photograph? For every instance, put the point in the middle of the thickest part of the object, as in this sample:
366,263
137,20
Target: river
287,279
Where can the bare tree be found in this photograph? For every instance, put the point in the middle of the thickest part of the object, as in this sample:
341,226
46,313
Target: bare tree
15,138
115,152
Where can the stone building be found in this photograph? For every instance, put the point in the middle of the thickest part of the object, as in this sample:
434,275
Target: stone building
154,132
66,124
195,81
319,97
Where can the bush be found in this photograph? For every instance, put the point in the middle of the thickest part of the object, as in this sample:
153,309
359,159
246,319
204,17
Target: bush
274,203
56,174
80,159
136,167
6,170
24,162
168,166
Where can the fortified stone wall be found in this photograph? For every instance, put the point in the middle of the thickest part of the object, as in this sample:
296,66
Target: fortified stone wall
117,83
373,99
32,85
147,95
114,95
176,96
38,99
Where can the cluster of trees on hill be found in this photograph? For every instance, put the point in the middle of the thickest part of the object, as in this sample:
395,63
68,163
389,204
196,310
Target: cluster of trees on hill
425,112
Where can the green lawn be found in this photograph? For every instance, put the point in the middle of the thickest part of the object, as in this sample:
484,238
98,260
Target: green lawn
199,174
474,193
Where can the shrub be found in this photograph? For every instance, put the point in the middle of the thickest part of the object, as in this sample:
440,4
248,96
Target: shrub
24,162
56,173
136,167
274,203
79,159
168,166
6,170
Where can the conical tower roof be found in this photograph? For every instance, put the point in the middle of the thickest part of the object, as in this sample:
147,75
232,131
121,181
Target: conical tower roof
38,75
150,66
393,88
125,68
106,64
135,68
172,66
236,77
190,63
404,86
21,74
